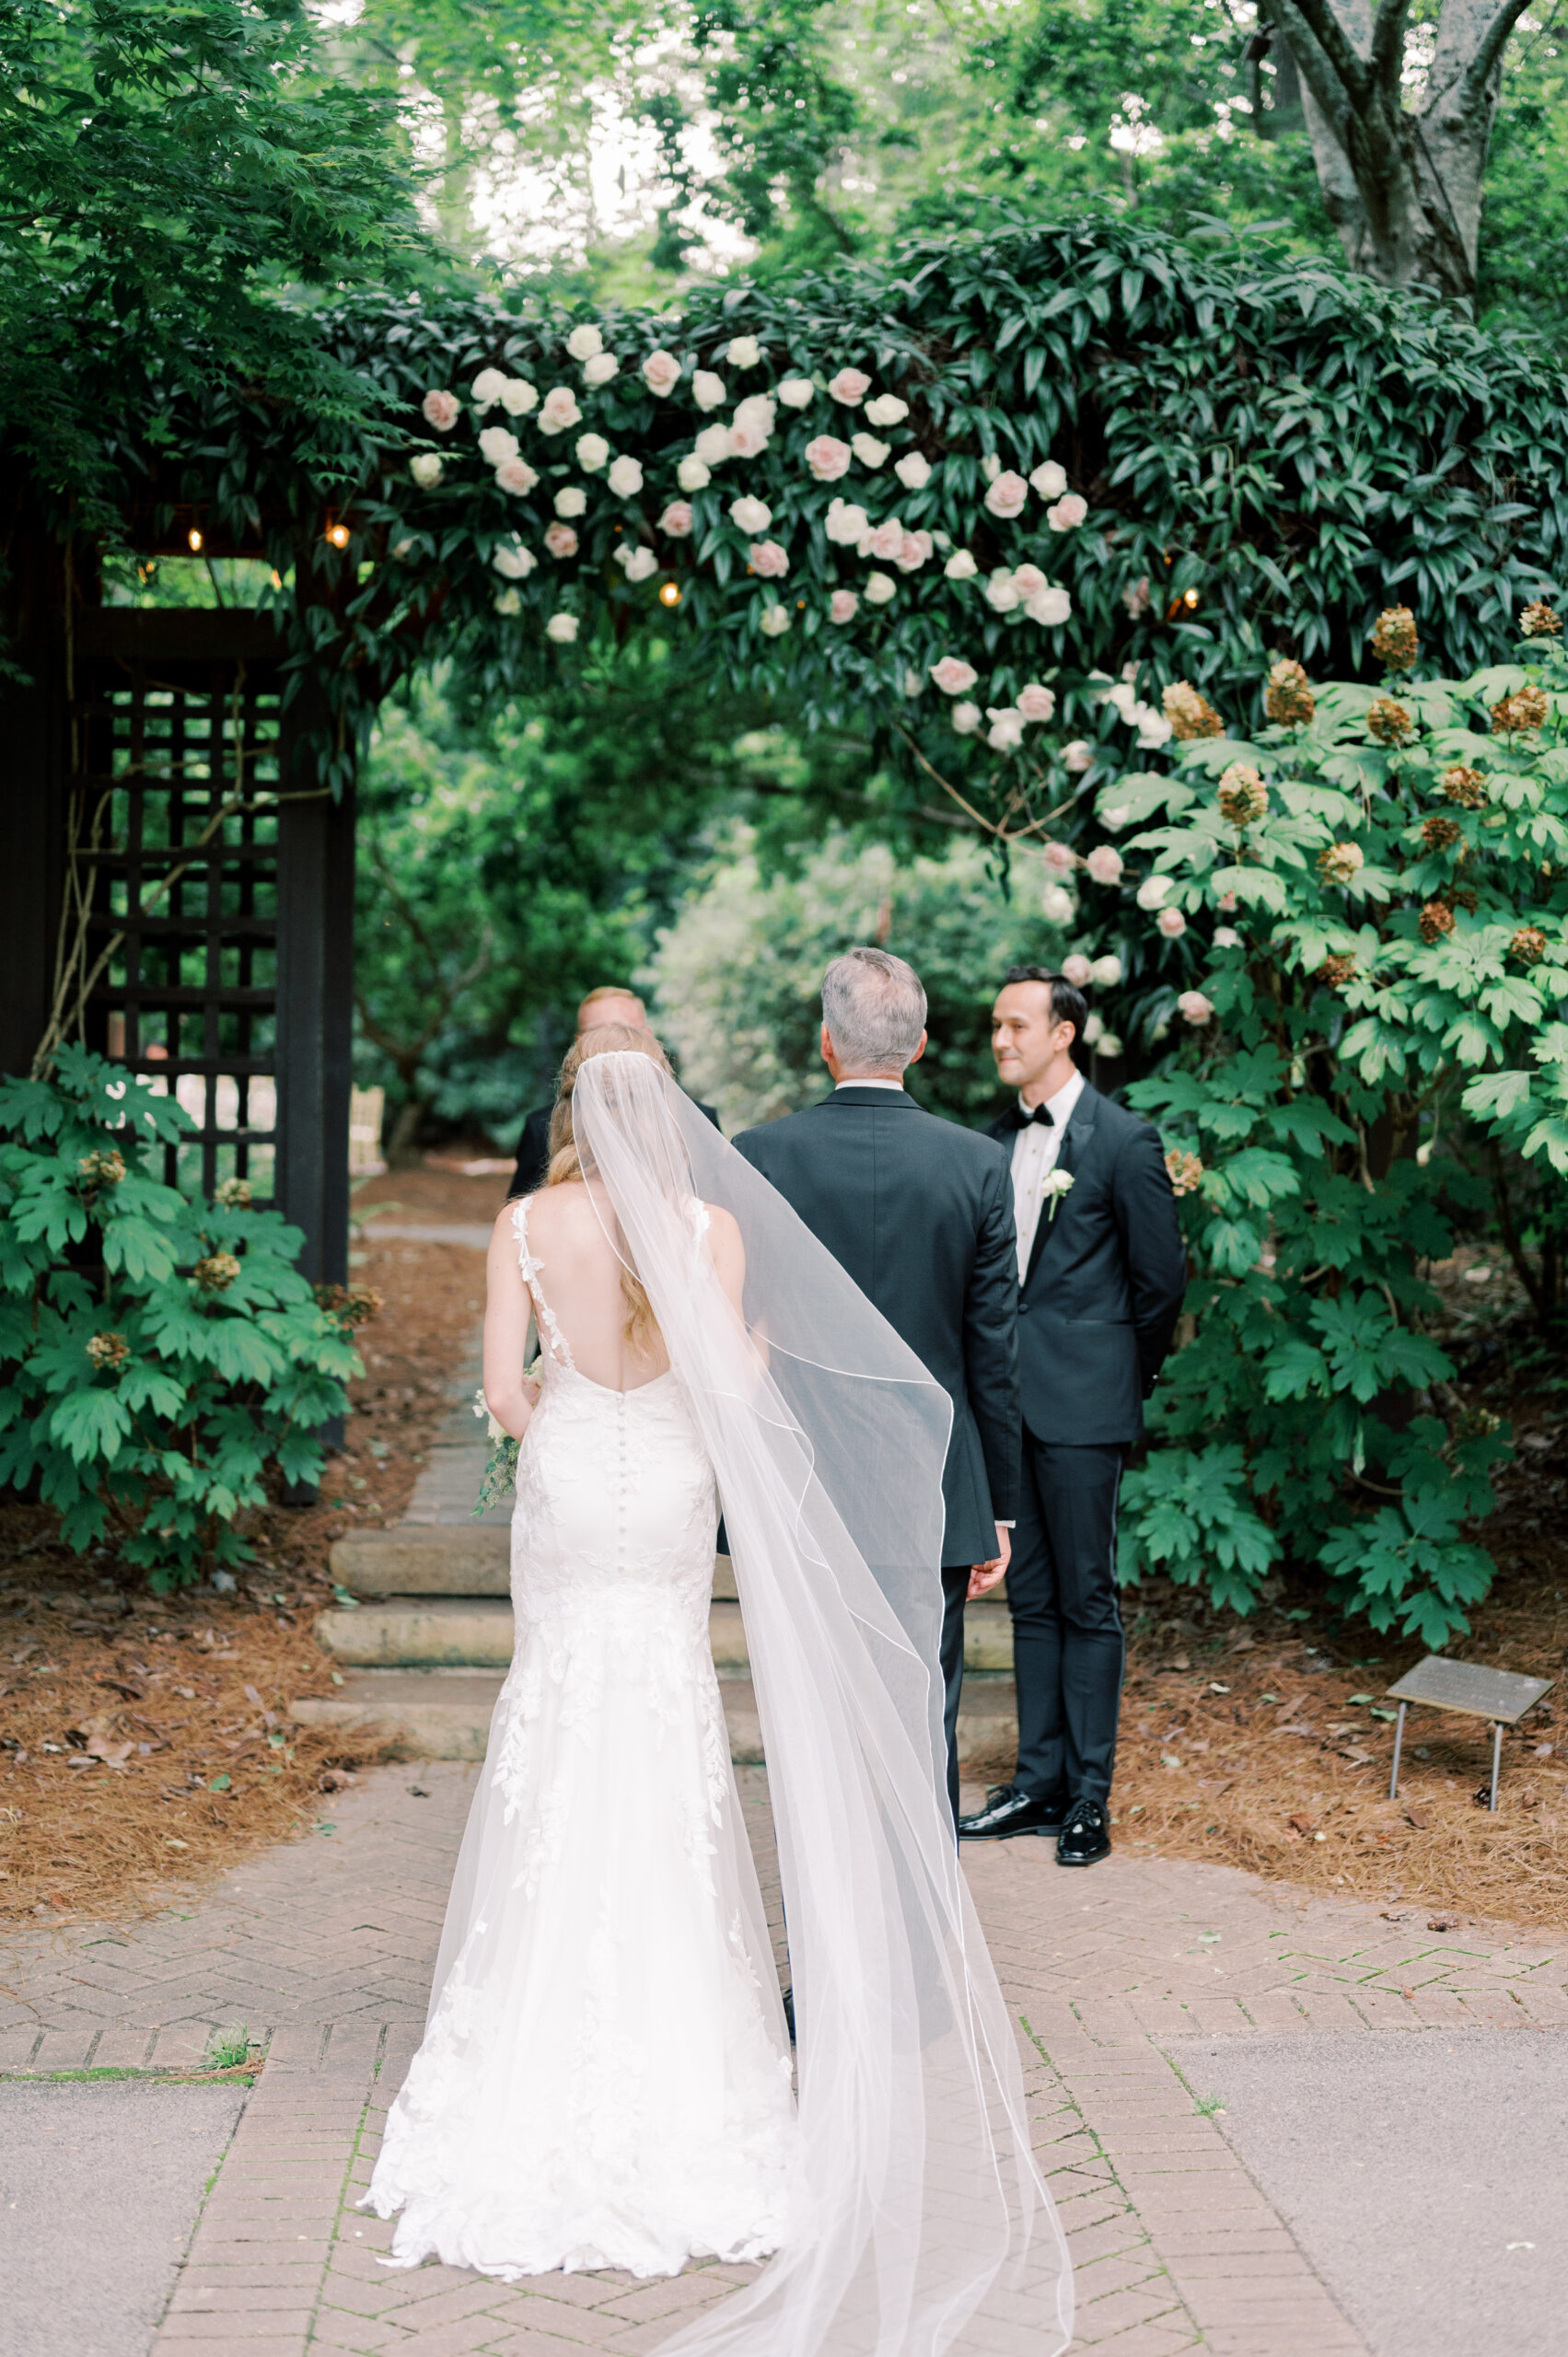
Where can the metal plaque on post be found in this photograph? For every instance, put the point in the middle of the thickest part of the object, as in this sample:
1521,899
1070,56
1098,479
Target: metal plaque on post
1499,1696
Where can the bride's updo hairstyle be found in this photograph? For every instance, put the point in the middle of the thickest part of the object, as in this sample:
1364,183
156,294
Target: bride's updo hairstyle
566,1163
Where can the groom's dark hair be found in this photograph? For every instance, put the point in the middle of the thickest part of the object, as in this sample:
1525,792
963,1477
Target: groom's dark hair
1068,1004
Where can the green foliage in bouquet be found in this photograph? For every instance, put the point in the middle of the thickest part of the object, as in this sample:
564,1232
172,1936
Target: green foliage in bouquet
1367,902
156,1355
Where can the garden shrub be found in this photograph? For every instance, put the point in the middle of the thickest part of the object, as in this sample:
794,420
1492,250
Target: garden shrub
156,1355
1354,923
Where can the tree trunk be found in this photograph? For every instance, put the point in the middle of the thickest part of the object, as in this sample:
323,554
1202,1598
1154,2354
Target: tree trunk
1402,185
403,1147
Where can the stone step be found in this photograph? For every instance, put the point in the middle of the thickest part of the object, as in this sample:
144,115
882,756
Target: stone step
445,1713
475,1631
465,1559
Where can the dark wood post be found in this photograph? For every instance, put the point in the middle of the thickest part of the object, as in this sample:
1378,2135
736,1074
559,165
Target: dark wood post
315,1039
33,759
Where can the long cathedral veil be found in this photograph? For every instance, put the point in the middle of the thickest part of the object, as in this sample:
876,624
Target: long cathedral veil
924,2224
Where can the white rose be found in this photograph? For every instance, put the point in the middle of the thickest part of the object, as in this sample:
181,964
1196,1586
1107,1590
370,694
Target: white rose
912,469
514,561
1154,729
661,372
1227,937
991,467
487,391
1171,922
691,475
707,391
846,524
1153,891
570,500
584,343
496,446
1079,756
1001,591
1048,479
1037,702
757,410
743,351
1048,605
711,446
1116,817
1006,730
600,370
913,684
1092,1030
879,587
559,413
1067,513
508,601
638,561
774,621
960,566
1111,1043
562,628
518,397
1105,974
798,392
426,469
1028,580
868,450
625,477
966,718
887,410
1075,970
748,515
1057,905
592,452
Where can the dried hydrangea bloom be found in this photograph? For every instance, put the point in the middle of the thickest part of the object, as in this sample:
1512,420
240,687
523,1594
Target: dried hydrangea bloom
1243,796
1190,715
110,1350
1288,699
1186,1171
1439,833
233,1194
1435,921
1527,708
1528,945
1336,970
1389,722
1341,863
216,1273
1541,620
1465,787
102,1169
1394,639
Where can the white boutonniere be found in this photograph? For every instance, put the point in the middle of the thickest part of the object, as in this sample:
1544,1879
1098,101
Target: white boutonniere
1056,1184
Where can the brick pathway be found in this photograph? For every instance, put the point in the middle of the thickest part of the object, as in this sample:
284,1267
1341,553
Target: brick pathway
325,1948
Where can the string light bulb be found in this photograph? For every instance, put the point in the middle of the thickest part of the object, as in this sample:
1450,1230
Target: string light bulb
1189,597
194,538
669,595
339,535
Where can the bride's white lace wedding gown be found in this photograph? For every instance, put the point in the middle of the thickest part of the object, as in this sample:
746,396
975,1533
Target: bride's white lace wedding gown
605,2080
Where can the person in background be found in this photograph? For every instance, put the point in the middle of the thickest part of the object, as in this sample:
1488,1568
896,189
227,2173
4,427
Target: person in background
1101,1272
919,1212
609,1004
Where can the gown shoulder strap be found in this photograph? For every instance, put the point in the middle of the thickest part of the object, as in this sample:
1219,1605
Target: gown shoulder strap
531,1267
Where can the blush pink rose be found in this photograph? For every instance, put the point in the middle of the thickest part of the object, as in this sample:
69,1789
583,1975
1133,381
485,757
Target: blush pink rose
1172,923
1037,702
516,475
887,539
441,408
1059,857
1029,581
850,385
1007,494
676,520
1067,513
747,438
842,606
1194,1008
1226,904
827,457
915,549
559,413
769,560
1104,863
661,372
953,674
561,540
1077,970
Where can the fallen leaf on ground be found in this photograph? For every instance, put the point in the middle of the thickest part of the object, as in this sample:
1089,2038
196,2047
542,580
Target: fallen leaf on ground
1418,1817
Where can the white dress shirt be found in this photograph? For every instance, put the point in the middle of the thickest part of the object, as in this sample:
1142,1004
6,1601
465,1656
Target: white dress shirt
868,1082
1035,1150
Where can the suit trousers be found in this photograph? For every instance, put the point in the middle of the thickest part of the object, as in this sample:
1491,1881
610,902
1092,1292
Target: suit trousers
1068,1648
955,1591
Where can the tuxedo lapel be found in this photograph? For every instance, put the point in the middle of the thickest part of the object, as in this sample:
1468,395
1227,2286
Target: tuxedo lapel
1077,1139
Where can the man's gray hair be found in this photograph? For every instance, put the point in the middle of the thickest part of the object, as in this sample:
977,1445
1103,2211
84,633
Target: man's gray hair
874,1007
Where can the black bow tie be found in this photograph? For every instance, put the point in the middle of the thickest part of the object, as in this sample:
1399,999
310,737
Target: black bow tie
1022,1120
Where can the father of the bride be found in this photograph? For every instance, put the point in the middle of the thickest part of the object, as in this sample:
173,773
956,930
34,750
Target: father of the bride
1101,1274
920,1212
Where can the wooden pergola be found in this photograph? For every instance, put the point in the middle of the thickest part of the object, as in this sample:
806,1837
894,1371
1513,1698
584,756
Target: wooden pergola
176,883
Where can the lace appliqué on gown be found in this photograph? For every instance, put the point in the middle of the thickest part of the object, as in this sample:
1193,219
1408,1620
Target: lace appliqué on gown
603,2081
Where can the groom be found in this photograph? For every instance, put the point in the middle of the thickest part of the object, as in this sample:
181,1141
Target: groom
1101,1274
920,1213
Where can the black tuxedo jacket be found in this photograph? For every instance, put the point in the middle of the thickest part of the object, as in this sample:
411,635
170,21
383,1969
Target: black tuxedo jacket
1098,1304
920,1212
534,1150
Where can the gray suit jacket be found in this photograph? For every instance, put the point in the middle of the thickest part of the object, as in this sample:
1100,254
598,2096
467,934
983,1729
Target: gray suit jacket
920,1212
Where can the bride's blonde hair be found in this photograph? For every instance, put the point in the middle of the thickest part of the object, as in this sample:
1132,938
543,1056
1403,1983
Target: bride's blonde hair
567,1163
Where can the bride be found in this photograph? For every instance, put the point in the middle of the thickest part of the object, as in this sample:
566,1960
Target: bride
605,2080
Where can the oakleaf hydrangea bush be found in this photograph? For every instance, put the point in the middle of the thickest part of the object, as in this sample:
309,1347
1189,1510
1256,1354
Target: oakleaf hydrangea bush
1354,924
156,1355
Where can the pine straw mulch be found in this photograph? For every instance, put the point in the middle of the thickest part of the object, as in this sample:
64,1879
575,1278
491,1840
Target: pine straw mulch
145,1741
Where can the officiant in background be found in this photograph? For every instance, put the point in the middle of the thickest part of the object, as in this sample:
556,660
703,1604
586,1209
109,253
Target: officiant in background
609,1004
1101,1272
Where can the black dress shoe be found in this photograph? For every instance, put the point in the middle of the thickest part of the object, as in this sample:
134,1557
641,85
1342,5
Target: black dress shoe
1085,1837
1009,1811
